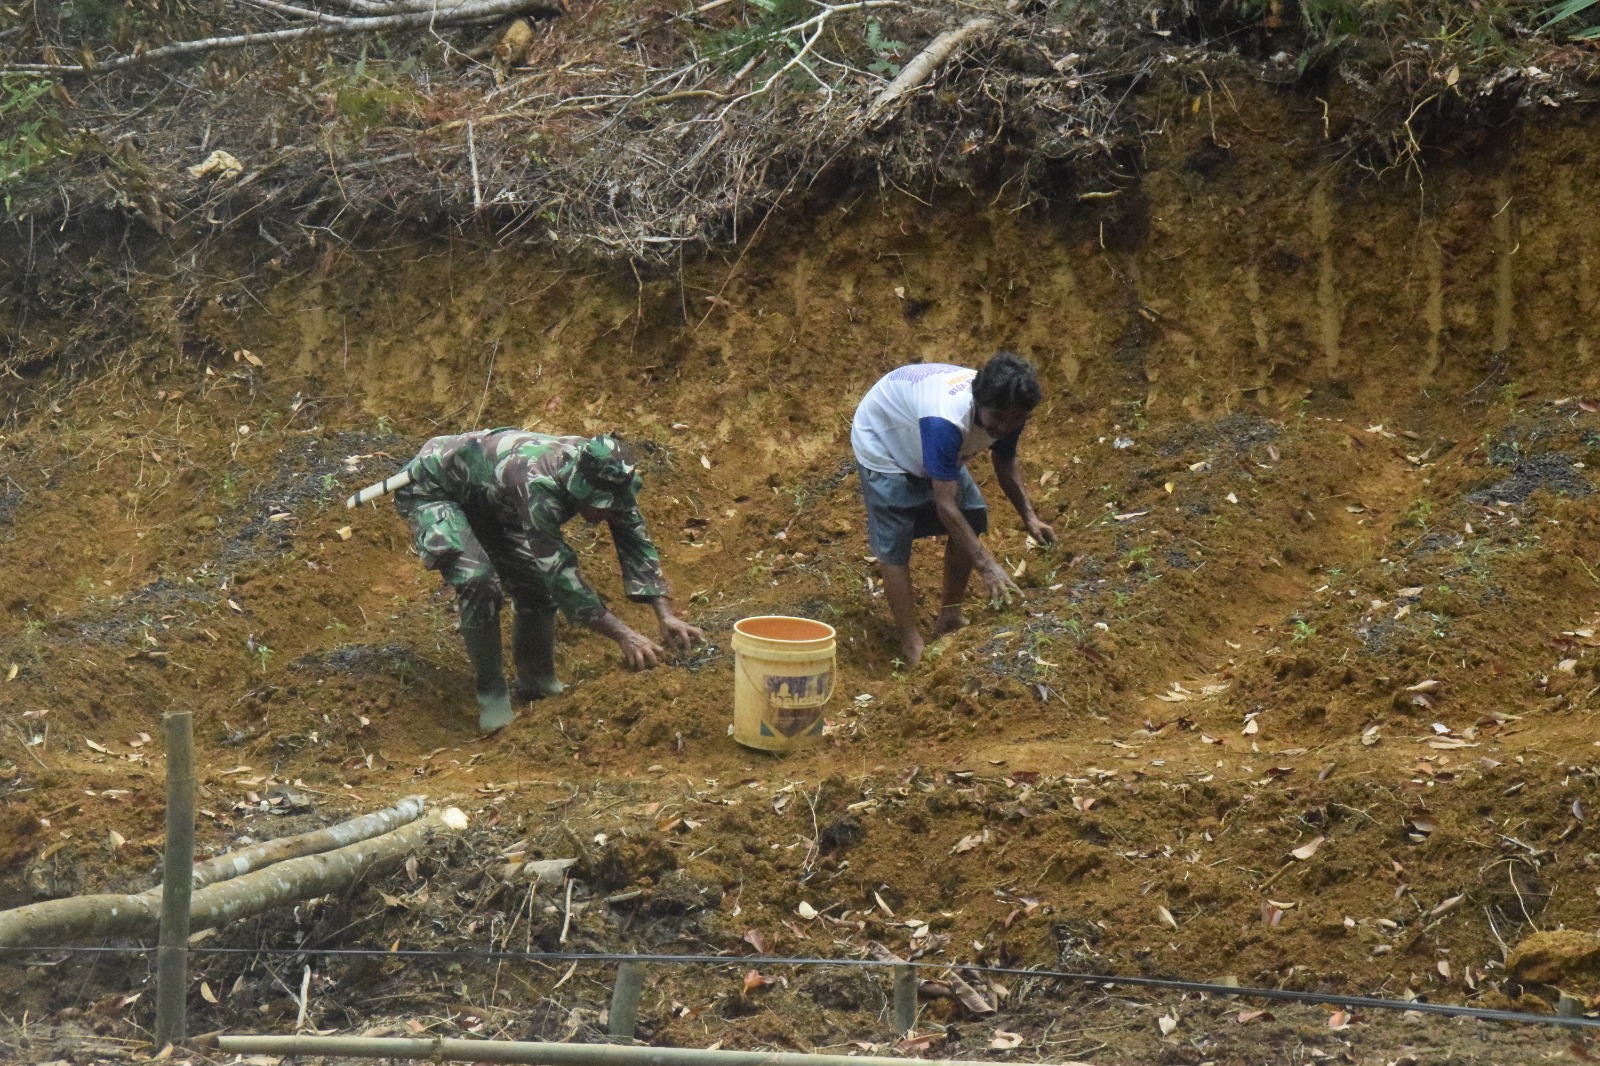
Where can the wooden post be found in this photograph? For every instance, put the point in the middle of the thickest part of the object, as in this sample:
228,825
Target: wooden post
177,883
905,999
623,1017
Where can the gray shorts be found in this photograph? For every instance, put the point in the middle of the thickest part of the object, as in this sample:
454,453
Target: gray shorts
900,509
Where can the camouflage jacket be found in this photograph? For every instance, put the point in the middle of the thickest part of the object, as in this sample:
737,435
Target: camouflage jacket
509,479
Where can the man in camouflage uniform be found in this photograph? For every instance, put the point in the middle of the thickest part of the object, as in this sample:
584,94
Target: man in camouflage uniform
486,510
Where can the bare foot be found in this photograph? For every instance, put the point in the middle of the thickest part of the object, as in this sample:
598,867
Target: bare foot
911,646
947,622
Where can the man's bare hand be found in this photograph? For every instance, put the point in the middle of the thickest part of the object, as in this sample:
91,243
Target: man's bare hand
678,634
639,651
998,584
1040,531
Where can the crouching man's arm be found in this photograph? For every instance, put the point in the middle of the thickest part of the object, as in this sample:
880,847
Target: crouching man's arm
642,579
1010,478
638,650
997,583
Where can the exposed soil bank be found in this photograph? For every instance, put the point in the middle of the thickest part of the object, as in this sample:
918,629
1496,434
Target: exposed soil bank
1354,527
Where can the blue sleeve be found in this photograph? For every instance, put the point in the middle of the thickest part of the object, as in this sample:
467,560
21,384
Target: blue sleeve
941,448
1006,446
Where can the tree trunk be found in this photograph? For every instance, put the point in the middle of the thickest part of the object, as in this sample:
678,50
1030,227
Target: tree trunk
92,917
239,863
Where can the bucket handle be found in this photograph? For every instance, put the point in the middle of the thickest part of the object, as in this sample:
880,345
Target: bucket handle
778,655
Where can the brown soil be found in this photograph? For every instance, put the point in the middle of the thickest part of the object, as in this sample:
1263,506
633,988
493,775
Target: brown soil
1338,588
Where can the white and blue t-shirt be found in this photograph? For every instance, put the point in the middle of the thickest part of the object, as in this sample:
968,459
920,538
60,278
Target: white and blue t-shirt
921,420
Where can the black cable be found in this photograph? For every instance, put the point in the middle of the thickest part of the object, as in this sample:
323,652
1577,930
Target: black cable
1166,984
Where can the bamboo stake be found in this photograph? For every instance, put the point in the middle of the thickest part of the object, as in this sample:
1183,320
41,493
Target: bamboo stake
441,1049
623,1018
905,1000
172,961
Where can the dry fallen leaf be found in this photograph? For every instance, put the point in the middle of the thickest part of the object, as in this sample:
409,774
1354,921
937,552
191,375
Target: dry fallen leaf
1339,1020
1167,1023
1004,1041
967,843
206,993
1251,728
11,674
1305,851
705,461
94,746
1166,917
345,532
806,911
1423,686
1447,906
117,840
754,979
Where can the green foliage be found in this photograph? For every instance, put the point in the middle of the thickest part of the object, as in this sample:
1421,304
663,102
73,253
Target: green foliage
882,51
1570,12
93,18
1303,631
27,134
737,46
369,96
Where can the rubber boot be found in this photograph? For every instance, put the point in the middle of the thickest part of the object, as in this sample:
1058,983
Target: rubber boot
533,647
489,675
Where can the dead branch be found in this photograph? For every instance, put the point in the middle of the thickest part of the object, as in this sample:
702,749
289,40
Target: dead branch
816,24
434,14
91,917
927,62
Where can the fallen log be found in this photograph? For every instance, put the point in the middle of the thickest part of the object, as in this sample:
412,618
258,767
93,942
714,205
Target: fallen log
79,918
239,863
927,62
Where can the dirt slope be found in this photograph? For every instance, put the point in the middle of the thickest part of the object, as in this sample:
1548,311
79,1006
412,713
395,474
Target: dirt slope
1323,474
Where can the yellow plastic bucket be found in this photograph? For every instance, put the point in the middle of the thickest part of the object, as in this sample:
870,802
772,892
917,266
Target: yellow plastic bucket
783,673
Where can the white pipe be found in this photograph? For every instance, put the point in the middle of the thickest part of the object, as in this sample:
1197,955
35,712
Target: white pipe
539,1054
381,488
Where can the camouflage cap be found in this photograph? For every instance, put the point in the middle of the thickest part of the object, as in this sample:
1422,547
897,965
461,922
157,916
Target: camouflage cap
603,474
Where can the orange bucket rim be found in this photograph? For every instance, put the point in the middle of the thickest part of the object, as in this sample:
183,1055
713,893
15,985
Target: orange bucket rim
822,630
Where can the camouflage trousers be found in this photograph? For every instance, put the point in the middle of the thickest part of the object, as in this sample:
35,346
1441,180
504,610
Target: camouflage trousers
483,563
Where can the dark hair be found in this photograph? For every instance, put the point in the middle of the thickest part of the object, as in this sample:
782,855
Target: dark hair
1006,382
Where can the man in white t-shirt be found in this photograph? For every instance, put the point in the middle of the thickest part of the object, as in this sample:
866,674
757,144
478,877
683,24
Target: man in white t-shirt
913,434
